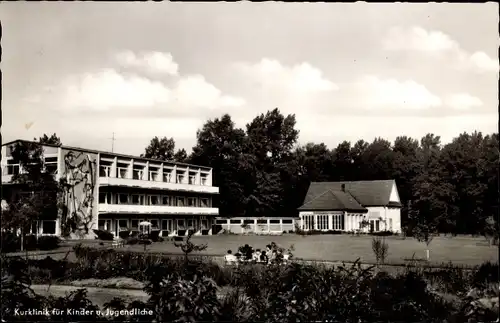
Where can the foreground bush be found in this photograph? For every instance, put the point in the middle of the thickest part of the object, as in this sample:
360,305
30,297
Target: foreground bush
186,291
104,235
12,243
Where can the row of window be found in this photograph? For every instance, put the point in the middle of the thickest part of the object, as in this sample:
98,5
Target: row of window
143,199
12,168
254,221
323,222
153,175
43,227
169,225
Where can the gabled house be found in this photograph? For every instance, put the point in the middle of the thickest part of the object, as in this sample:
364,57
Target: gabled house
343,206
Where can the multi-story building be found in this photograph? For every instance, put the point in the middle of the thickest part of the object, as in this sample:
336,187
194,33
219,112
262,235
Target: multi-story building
114,192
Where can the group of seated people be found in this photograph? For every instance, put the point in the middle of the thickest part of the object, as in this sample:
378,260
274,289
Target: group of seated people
268,256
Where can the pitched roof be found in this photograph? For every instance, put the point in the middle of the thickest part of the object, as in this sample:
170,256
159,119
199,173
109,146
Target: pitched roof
366,193
333,201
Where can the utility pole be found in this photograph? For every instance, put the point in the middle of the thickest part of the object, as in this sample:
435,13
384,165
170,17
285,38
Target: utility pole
113,142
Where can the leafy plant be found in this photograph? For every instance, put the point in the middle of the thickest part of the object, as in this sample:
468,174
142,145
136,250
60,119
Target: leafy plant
188,247
380,249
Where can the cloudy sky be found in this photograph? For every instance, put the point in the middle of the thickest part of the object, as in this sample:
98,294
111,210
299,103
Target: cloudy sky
348,71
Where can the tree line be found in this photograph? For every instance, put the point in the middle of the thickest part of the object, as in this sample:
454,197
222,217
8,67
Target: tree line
261,171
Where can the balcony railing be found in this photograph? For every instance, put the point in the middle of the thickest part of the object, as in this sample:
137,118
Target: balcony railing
127,182
156,209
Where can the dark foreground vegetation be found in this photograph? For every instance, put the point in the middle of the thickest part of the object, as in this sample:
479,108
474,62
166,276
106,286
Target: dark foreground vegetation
185,289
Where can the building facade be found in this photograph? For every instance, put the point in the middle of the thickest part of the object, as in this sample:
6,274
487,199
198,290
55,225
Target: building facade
115,192
366,206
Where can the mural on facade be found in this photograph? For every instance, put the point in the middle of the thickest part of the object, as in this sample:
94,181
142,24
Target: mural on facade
78,182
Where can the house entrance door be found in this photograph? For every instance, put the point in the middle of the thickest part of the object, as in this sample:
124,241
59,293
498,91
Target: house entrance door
374,225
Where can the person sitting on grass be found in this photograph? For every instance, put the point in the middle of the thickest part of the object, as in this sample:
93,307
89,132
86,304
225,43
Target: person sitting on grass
256,256
229,258
273,258
263,257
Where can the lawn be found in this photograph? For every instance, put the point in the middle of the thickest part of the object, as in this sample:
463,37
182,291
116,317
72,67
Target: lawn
459,250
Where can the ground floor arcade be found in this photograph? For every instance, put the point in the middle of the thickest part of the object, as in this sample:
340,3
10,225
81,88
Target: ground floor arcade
170,225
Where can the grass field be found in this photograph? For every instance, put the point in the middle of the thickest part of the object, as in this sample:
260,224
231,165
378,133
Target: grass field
459,250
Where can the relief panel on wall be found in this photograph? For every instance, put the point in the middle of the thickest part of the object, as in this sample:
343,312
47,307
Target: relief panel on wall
78,179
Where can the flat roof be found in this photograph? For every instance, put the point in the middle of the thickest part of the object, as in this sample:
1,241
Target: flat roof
108,153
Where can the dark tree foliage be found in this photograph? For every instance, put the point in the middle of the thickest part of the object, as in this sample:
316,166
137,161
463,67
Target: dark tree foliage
164,149
52,140
261,171
34,191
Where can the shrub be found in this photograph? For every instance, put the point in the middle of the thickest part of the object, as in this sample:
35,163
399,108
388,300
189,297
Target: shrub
380,249
382,233
48,242
104,235
246,251
124,234
10,242
486,274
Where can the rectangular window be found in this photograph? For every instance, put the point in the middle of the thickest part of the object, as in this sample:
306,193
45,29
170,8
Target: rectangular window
122,225
204,224
51,165
122,198
308,222
192,179
34,228
154,224
137,173
248,221
48,227
180,224
166,225
166,175
165,200
180,178
181,201
102,197
221,221
192,201
261,221
104,171
134,224
203,179
153,175
323,222
190,223
235,221
390,224
287,221
338,222
204,202
274,221
137,199
154,200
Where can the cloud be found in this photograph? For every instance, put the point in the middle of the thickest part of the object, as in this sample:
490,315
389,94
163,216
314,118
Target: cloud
463,101
301,78
438,44
154,62
107,89
195,91
377,93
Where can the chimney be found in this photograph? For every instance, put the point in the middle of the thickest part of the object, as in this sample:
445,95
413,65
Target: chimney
343,187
